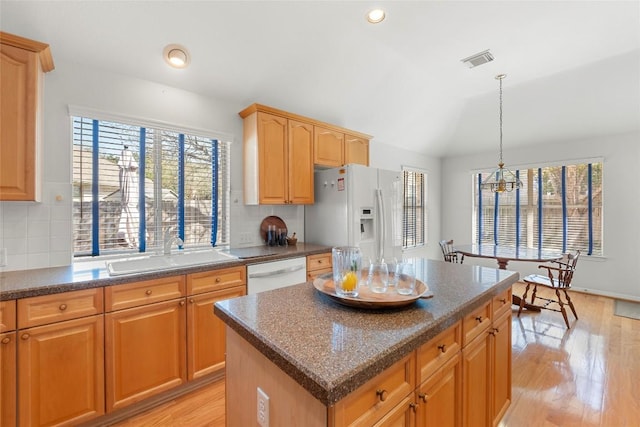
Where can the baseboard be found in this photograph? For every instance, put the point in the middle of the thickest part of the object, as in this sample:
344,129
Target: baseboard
152,402
601,293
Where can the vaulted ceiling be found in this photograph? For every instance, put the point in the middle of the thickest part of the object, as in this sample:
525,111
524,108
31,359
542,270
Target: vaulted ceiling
573,67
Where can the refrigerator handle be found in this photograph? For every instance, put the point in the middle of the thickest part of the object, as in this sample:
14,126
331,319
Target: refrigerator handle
381,224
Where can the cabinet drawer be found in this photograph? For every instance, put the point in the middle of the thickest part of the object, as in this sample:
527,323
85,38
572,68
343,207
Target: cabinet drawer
46,309
475,323
311,275
319,262
146,292
501,303
7,315
207,281
375,398
435,353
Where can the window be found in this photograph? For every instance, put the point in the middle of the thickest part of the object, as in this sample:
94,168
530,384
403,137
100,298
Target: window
414,216
558,207
131,184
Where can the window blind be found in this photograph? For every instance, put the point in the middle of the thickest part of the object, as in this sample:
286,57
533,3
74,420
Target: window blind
558,208
170,187
414,209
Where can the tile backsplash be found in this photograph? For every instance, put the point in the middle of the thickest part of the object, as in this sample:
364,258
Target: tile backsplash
38,234
246,220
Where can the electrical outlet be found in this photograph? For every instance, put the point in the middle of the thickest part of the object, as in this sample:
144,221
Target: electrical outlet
263,408
245,237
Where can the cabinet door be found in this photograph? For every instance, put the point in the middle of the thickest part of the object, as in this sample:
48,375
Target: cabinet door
356,150
18,103
370,403
300,162
8,379
402,415
439,397
61,372
476,365
273,162
145,351
7,315
501,366
328,147
206,332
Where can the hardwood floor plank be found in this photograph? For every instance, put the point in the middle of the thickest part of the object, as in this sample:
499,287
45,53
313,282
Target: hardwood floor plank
583,376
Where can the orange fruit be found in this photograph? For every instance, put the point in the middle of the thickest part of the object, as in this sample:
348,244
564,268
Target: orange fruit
349,281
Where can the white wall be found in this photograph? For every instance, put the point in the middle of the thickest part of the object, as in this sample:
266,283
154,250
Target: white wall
615,273
40,234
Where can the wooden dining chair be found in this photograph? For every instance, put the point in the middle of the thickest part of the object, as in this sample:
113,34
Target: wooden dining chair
450,255
558,278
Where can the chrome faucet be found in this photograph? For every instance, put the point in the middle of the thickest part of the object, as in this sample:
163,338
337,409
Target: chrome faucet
169,240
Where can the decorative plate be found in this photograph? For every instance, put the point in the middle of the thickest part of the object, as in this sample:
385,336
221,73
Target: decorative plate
367,299
270,220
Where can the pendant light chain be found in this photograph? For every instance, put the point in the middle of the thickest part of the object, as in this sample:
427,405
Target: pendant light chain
501,179
500,77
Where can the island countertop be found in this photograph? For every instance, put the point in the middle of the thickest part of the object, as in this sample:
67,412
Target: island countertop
331,349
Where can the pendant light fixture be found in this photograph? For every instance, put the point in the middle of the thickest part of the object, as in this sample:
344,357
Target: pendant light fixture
501,179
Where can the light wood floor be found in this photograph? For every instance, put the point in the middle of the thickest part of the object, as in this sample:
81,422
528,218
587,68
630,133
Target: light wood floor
588,375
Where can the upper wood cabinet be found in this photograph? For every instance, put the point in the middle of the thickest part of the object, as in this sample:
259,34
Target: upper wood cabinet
23,63
281,149
328,147
278,157
356,150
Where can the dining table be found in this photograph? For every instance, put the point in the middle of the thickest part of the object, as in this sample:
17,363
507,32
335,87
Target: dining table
503,254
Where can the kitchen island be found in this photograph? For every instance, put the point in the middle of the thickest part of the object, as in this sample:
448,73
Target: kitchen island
324,364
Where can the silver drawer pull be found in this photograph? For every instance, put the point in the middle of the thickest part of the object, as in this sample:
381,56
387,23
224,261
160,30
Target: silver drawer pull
277,272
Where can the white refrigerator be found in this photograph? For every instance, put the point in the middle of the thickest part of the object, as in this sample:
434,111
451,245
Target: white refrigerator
360,206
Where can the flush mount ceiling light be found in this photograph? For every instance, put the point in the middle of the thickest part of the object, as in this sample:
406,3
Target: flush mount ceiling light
177,56
375,16
501,179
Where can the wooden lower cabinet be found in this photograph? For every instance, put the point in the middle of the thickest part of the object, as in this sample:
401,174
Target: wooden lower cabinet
402,415
476,367
8,379
61,372
372,402
145,351
440,384
501,366
438,398
318,264
206,332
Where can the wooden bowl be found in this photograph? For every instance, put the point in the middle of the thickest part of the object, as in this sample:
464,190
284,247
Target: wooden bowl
291,241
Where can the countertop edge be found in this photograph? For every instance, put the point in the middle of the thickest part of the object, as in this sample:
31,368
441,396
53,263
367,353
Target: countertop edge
53,280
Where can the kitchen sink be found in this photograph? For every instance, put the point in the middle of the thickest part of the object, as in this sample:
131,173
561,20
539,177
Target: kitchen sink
166,262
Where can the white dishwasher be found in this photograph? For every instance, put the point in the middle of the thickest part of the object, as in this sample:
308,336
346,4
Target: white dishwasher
276,274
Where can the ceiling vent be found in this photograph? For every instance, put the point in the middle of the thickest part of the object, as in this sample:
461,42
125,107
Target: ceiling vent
478,59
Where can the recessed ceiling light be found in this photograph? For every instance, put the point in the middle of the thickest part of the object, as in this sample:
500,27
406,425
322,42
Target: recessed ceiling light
177,56
375,16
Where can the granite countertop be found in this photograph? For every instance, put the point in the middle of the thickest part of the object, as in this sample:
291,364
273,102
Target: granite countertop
82,275
332,349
